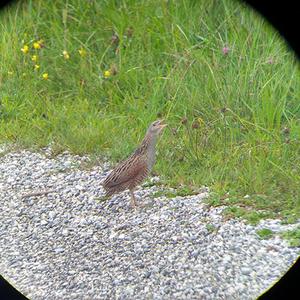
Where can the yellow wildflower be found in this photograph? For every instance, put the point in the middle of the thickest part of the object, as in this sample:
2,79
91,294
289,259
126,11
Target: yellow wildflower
10,72
41,43
45,76
201,121
36,67
25,49
36,45
66,54
107,74
34,58
82,52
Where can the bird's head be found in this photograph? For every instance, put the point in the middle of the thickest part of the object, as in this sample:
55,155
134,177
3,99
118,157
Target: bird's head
156,127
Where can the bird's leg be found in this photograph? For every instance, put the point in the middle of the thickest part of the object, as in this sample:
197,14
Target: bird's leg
133,200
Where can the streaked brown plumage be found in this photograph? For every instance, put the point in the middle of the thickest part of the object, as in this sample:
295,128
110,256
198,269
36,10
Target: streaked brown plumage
134,170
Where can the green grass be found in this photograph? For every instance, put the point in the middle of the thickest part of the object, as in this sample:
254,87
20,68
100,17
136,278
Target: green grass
234,120
253,216
178,192
265,233
293,236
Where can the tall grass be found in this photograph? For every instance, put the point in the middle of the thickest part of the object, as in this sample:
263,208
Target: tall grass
223,79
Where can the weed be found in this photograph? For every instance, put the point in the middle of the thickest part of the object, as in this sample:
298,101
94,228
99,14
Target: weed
210,228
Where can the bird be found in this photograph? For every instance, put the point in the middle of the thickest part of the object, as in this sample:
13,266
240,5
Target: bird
135,169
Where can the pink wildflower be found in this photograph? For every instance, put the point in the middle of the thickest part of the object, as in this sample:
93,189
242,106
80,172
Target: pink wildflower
225,50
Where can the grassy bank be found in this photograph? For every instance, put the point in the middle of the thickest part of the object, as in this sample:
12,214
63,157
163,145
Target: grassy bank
221,77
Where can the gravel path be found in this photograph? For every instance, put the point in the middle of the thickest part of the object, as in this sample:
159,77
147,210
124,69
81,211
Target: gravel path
71,245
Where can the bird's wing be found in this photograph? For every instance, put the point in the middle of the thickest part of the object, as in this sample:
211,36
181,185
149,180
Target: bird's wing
126,171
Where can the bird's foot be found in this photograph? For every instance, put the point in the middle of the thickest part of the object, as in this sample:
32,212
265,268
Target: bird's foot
146,204
142,205
134,204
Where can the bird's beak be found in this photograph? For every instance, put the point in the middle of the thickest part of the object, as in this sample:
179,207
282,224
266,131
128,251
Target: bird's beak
162,125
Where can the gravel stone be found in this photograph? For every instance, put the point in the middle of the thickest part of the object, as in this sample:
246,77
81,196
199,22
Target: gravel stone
70,244
245,270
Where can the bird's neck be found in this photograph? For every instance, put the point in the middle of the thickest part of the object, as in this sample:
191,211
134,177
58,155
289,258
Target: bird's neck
149,142
147,148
